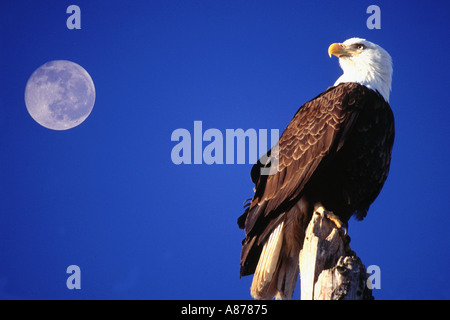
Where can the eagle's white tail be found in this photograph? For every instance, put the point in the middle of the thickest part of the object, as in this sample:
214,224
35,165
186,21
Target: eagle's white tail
267,263
277,271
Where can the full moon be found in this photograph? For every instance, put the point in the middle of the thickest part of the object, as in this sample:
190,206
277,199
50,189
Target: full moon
60,95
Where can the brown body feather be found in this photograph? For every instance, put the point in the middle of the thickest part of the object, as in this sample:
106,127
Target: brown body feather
336,151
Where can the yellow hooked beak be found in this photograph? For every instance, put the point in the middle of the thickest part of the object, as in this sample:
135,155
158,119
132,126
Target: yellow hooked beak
339,50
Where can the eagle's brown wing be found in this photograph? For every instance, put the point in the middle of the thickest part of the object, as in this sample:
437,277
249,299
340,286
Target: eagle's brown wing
318,130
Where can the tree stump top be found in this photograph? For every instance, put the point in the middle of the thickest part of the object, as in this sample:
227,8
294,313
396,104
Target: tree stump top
329,269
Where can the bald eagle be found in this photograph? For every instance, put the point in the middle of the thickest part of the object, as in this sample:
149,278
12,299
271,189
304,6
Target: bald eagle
335,152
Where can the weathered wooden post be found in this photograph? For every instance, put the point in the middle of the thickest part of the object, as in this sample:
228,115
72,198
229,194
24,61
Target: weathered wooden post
329,269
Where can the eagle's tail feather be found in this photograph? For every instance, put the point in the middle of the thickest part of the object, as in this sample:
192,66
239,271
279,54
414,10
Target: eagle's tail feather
263,280
287,277
277,271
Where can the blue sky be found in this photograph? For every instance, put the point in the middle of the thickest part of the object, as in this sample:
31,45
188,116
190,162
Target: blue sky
106,195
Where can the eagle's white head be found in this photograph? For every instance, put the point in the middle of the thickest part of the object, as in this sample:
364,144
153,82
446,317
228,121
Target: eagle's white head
364,62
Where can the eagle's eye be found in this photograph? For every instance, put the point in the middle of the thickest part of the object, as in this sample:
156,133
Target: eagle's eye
360,46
